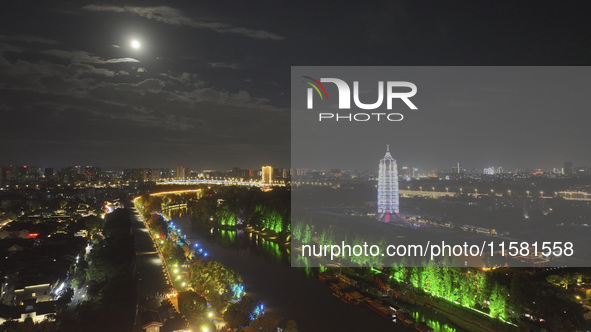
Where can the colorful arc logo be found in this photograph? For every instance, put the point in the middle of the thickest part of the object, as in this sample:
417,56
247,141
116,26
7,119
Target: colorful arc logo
316,85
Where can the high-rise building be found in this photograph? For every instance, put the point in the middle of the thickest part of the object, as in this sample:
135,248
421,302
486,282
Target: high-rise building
92,173
568,168
388,185
3,176
70,174
267,174
154,174
48,173
489,171
179,173
286,173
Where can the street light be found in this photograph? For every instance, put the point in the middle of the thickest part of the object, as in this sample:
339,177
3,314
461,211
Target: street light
527,192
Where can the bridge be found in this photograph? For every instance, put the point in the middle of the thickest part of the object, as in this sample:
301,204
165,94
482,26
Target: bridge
230,182
435,194
178,192
574,195
169,208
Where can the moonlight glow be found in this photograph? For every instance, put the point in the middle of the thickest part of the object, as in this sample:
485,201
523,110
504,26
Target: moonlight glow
135,44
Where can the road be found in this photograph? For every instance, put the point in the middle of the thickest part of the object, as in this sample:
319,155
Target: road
149,268
150,271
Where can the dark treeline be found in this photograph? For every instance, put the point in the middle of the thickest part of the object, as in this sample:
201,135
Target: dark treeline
108,286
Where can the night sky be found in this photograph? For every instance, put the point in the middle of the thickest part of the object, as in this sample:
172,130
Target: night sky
209,85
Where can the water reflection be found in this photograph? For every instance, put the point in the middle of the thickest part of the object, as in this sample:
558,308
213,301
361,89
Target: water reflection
252,242
428,317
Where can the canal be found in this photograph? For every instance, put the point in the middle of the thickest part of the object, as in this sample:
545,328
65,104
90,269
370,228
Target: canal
292,293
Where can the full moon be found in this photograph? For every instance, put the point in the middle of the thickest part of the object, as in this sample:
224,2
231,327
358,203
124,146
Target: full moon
135,44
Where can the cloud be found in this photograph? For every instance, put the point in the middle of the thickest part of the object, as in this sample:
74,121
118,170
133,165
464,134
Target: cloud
28,39
84,57
173,16
7,48
224,65
68,84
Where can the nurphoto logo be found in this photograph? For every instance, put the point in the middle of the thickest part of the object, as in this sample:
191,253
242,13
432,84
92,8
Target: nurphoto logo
391,90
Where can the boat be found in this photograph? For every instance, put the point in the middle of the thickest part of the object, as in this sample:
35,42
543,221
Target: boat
380,309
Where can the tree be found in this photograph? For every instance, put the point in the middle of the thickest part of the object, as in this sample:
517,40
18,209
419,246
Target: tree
241,313
203,210
225,217
219,282
265,323
65,298
559,280
498,302
92,224
153,204
192,304
173,253
101,266
158,225
27,326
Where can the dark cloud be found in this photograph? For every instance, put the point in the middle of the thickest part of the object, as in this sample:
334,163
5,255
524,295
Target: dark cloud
81,56
173,16
28,39
224,65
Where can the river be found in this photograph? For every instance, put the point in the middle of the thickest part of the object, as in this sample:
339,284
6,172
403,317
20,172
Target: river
285,291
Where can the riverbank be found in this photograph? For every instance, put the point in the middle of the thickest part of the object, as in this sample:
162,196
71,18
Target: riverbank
416,301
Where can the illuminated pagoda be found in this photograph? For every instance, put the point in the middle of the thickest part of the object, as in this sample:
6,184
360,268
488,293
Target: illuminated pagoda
388,187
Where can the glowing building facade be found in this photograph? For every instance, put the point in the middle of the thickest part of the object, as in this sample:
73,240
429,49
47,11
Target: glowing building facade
388,185
267,174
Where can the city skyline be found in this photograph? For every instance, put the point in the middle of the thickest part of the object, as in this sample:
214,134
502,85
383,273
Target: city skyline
559,167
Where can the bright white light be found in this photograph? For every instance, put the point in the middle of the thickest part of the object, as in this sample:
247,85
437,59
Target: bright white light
135,44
